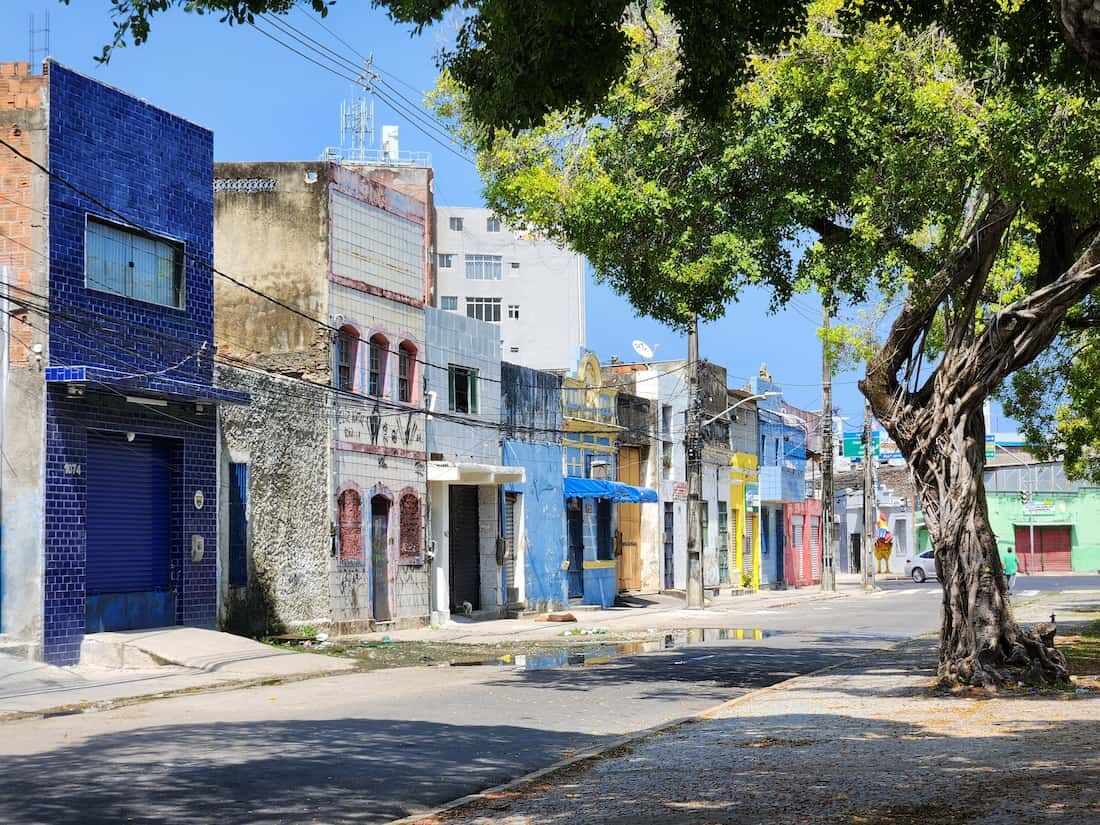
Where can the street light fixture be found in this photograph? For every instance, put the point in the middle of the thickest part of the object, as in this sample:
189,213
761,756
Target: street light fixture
713,418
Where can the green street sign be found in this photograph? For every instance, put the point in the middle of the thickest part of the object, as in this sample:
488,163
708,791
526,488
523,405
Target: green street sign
853,445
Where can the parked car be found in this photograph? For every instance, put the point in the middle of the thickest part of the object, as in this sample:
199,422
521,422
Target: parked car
921,567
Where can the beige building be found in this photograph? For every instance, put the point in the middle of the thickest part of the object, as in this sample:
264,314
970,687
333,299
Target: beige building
334,445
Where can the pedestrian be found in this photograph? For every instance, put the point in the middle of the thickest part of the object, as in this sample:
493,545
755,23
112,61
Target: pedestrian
1011,566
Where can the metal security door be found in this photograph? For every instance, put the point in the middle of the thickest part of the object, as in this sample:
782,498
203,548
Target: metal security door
747,559
465,560
510,594
128,524
723,543
670,523
576,553
777,528
379,555
630,523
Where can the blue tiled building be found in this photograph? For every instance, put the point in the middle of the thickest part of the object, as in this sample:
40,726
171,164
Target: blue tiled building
124,367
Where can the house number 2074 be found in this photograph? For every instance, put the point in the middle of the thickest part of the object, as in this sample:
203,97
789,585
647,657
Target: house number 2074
73,469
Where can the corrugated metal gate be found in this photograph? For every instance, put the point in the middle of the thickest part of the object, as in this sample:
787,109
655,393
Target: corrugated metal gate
128,524
511,595
1052,551
465,557
746,548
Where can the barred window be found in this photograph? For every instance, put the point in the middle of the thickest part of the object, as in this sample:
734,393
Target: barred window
455,224
448,302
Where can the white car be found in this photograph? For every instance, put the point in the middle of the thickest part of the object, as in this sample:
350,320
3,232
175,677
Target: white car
921,567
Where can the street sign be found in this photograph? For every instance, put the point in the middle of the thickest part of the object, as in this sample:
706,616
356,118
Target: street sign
752,496
680,491
853,444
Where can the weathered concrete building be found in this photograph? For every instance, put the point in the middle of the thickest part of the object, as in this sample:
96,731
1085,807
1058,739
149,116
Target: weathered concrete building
472,521
665,383
326,475
531,288
531,421
107,423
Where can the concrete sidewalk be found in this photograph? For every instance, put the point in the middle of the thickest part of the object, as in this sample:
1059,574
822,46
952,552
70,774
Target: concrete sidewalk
168,660
865,743
636,613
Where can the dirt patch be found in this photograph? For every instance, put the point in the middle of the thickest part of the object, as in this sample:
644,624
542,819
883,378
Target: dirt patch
1082,652
917,814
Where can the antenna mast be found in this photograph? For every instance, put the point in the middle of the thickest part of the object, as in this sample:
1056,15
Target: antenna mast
39,39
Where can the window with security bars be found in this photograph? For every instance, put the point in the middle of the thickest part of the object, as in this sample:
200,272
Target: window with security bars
449,302
484,309
446,260
455,224
484,267
723,527
132,264
796,531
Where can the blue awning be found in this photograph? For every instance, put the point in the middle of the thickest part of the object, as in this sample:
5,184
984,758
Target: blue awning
612,490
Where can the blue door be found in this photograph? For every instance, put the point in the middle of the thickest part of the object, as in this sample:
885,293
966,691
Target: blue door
128,526
576,553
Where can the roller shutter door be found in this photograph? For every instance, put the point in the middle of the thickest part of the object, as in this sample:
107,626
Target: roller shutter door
127,536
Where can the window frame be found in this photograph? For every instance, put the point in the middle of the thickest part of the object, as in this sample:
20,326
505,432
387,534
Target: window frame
492,224
513,312
455,223
178,246
347,344
475,302
476,267
443,298
471,375
445,260
378,345
406,372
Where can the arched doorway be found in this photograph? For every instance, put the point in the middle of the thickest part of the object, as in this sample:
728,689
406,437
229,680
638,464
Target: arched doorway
379,554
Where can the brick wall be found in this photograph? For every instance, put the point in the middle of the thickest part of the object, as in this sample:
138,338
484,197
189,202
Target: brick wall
20,92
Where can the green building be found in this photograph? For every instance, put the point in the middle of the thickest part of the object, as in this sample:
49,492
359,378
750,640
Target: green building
1053,523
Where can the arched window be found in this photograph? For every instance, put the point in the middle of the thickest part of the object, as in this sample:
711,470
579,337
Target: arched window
379,351
350,516
406,371
347,349
411,531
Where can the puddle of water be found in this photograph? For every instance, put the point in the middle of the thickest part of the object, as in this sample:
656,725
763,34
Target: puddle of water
605,654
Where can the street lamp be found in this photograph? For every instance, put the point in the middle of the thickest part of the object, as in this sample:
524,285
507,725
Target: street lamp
713,418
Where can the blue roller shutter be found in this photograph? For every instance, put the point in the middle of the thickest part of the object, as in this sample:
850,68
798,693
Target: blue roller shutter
128,518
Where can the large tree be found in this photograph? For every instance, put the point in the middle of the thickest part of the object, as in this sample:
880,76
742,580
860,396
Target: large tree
949,156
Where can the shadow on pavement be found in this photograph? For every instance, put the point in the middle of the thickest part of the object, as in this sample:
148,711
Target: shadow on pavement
331,770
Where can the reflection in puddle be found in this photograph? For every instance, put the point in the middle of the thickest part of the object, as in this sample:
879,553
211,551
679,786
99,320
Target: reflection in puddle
605,654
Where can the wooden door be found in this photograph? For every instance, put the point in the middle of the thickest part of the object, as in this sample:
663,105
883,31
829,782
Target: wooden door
630,522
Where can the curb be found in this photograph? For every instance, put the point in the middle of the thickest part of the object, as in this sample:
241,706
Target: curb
594,753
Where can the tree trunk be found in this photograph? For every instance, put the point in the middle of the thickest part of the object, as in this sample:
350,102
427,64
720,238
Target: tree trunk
1080,22
980,642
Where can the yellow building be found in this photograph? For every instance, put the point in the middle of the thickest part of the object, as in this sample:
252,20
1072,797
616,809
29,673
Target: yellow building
744,506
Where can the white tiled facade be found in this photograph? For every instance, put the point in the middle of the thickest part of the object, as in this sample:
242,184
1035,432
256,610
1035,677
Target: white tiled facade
534,286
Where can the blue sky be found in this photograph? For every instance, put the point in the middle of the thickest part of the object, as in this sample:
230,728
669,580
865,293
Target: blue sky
265,103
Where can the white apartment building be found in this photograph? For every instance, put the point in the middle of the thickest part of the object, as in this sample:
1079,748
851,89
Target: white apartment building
530,286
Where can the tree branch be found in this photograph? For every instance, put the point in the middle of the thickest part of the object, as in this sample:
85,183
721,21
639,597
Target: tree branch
973,260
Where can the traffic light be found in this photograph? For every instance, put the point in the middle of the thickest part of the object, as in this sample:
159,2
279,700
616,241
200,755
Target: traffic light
1025,497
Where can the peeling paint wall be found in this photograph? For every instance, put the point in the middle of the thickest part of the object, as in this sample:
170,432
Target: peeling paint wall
283,435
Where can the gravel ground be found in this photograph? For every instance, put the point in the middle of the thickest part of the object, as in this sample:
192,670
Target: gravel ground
869,743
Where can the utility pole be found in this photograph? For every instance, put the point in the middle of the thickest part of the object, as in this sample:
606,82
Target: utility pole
870,508
828,559
693,452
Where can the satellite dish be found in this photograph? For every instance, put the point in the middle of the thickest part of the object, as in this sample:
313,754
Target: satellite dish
643,349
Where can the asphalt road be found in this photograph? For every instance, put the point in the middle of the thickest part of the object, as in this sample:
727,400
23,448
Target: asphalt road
376,746
1046,583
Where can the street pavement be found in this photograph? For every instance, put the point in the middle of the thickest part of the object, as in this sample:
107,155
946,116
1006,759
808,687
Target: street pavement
371,747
